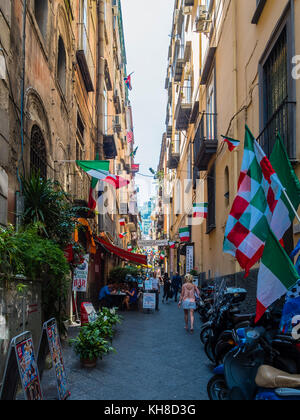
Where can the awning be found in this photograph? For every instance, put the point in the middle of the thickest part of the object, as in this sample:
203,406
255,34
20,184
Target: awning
125,255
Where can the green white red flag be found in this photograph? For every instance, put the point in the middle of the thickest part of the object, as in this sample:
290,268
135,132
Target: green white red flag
259,190
284,214
100,170
231,143
184,234
200,210
277,275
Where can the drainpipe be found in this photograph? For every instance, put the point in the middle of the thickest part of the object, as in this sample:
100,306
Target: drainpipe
100,79
21,160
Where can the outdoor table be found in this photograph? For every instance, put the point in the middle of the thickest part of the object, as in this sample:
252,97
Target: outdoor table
118,298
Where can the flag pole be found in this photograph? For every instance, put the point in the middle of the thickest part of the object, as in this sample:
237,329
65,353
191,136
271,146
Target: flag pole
290,203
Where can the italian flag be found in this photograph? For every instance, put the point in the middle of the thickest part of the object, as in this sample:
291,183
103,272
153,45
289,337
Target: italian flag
200,210
162,256
129,247
100,170
122,235
284,215
172,245
231,143
184,234
122,222
277,275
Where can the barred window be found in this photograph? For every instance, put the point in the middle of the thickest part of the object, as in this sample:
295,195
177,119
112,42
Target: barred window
38,154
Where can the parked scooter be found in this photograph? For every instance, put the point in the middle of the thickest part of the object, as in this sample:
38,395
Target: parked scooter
241,377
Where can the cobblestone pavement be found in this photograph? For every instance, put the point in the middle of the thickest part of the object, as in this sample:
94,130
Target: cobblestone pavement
156,359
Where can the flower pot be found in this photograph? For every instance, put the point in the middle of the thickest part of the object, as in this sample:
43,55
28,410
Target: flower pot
89,364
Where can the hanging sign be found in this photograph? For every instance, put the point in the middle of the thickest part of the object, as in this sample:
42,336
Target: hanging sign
50,330
189,259
81,276
21,359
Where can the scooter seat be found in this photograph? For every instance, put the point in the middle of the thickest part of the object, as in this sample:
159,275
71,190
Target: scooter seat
269,377
242,318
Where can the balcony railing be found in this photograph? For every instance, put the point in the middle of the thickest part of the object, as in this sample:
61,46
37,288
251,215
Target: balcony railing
184,108
205,142
85,58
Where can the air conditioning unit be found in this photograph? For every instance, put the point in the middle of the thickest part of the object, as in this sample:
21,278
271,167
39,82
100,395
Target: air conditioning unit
203,20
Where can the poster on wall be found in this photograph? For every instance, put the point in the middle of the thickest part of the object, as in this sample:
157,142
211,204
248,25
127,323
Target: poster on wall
189,259
81,274
28,370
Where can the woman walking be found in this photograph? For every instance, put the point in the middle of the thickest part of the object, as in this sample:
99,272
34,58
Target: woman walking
188,300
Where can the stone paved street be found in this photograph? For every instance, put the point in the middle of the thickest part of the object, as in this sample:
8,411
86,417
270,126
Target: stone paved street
156,359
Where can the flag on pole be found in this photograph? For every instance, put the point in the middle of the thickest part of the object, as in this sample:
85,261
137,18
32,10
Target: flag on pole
200,210
122,222
133,154
277,275
172,245
284,214
184,234
259,190
127,81
100,171
103,165
129,247
231,143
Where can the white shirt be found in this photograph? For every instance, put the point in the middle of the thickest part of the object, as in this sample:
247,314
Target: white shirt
154,283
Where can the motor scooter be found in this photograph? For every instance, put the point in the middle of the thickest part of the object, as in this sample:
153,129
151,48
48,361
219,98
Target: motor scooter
242,376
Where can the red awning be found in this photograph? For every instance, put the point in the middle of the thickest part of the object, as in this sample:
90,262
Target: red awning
125,255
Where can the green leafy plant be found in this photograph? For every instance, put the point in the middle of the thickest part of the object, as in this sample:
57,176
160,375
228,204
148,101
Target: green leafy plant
48,205
119,274
106,321
90,344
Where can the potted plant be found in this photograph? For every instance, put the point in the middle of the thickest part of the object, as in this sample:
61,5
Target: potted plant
90,345
105,322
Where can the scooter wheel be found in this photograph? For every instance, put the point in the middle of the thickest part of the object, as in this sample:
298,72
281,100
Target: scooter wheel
209,352
204,335
217,389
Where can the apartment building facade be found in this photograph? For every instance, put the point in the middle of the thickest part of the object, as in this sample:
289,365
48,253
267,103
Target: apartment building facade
240,68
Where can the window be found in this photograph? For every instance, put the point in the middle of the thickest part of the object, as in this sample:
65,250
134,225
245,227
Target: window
41,15
210,109
277,108
61,65
38,155
211,195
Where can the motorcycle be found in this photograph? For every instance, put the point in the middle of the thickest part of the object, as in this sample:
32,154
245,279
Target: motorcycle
243,376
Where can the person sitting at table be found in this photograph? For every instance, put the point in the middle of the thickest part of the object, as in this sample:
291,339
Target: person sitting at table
131,296
105,296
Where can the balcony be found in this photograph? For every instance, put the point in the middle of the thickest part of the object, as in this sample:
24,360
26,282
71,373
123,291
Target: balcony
184,109
174,157
117,102
205,142
84,58
178,61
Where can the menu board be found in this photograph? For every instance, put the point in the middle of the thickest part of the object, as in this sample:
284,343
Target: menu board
148,284
56,354
149,301
28,370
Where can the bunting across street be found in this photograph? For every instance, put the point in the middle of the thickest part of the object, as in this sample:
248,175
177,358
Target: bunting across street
259,190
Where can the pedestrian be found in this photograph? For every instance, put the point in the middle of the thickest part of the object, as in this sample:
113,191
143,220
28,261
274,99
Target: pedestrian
176,284
156,289
167,287
188,300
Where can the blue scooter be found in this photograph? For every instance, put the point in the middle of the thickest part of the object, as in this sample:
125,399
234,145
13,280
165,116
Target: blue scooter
244,375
